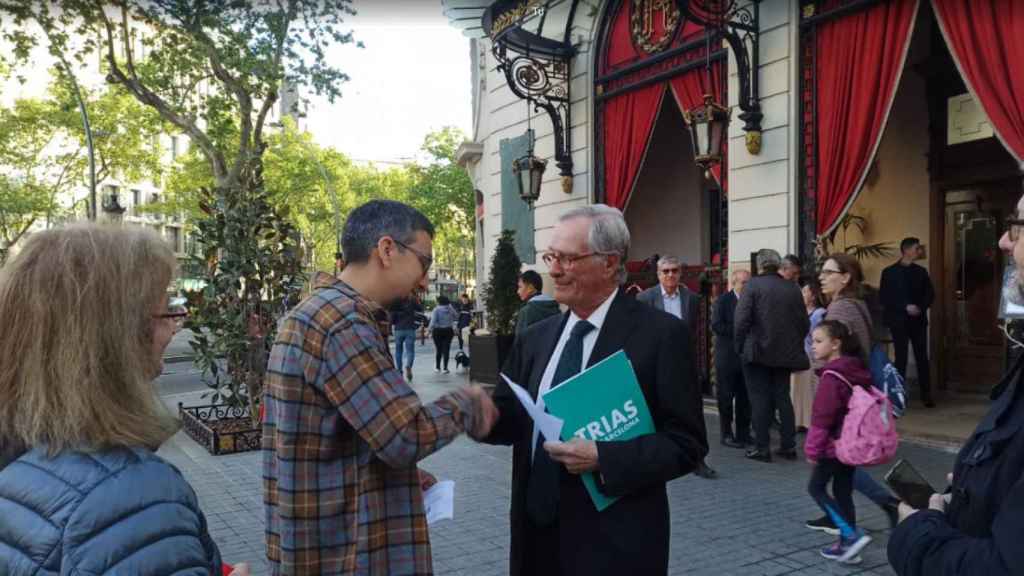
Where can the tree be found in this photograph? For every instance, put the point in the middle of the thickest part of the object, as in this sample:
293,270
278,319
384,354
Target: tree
213,70
444,193
500,298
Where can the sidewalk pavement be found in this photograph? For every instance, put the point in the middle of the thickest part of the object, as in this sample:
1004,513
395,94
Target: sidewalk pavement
749,521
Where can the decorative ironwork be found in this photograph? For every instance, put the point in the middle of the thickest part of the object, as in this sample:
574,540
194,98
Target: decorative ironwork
543,81
646,35
738,25
220,428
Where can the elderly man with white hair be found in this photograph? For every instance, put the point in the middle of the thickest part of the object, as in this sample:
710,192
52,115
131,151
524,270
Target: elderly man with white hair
556,529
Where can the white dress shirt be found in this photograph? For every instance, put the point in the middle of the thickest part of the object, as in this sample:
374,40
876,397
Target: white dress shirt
597,319
673,304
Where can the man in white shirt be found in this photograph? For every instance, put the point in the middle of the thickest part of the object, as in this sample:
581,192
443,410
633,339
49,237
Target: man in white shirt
556,529
672,296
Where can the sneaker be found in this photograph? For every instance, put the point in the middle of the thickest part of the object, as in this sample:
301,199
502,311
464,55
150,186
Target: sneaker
437,370
847,550
408,374
446,371
823,524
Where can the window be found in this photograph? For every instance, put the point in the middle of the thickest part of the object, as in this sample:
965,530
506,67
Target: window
174,147
174,238
136,201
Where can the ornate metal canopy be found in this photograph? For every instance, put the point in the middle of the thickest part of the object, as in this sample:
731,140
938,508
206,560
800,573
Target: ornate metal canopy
532,44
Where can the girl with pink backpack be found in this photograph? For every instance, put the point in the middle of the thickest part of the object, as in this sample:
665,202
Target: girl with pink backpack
833,344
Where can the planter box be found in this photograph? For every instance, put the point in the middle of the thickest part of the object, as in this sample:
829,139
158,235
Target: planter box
220,428
487,352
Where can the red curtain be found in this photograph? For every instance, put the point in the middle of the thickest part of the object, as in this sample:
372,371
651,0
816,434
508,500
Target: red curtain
860,59
986,38
689,90
627,122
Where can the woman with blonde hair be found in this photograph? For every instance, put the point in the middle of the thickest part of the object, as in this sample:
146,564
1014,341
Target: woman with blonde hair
84,320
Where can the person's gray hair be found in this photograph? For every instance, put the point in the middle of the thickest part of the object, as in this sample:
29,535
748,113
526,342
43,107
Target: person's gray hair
367,224
669,261
608,234
768,260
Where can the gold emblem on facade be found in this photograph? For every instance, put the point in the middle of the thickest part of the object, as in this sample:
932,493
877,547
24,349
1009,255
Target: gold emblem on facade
654,24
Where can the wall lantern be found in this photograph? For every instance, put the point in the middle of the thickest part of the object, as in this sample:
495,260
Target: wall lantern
708,124
529,171
737,23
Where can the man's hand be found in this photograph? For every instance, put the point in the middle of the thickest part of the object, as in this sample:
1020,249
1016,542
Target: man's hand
578,455
486,413
426,479
905,511
913,310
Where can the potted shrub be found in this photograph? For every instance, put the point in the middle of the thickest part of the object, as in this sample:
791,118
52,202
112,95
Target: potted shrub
487,350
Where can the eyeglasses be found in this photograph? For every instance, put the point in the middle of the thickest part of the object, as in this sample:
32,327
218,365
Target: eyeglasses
425,261
828,272
176,314
1013,226
669,271
565,260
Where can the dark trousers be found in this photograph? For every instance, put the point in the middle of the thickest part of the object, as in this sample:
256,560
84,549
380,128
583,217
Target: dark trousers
545,557
732,389
915,333
458,334
841,500
768,388
443,344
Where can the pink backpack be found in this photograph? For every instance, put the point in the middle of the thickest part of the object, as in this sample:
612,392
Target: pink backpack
869,434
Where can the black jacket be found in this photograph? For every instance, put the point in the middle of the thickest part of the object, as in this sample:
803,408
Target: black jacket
405,314
723,316
901,286
771,323
632,536
982,530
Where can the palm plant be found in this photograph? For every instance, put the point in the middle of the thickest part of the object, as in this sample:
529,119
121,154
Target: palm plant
826,244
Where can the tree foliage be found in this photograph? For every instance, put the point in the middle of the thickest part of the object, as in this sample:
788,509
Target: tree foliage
43,155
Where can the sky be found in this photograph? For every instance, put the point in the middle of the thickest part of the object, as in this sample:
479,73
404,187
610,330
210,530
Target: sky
412,77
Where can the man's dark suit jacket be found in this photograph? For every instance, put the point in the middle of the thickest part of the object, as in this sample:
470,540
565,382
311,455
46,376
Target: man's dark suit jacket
631,536
689,302
771,323
903,285
722,319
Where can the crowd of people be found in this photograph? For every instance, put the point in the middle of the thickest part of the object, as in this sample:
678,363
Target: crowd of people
84,320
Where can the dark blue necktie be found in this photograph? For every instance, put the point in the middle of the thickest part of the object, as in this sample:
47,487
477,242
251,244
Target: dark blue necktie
542,487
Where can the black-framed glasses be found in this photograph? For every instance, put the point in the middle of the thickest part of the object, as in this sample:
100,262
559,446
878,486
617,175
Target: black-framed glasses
828,272
1013,226
670,271
178,316
425,261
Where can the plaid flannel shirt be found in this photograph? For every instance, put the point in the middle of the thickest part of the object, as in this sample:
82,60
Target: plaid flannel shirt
341,437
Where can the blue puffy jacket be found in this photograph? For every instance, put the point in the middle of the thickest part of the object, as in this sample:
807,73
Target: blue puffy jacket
123,511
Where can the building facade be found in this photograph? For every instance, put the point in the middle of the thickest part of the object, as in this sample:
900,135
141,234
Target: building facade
855,123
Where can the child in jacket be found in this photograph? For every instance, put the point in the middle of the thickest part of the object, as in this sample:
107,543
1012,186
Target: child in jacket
834,344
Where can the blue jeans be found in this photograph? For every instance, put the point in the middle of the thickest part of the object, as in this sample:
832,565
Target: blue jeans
405,339
866,485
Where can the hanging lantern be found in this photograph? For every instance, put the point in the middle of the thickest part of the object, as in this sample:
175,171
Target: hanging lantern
708,124
529,170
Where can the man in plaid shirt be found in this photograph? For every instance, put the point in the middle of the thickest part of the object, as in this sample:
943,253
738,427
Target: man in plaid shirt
343,430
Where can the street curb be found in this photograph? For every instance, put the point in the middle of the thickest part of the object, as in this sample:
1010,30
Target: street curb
178,359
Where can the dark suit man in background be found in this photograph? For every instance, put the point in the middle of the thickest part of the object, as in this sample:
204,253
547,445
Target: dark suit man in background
672,296
556,529
906,293
770,326
728,367
791,267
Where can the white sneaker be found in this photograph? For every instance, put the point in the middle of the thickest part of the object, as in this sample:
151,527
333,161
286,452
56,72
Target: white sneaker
446,371
437,370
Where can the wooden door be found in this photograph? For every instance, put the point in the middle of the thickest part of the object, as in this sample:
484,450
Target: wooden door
974,345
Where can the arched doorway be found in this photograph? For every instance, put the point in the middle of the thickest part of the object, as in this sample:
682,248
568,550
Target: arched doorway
650,65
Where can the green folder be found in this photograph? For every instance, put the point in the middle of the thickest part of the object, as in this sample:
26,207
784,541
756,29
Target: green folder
603,403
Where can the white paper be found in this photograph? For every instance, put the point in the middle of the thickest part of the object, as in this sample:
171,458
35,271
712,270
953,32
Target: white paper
549,426
439,501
